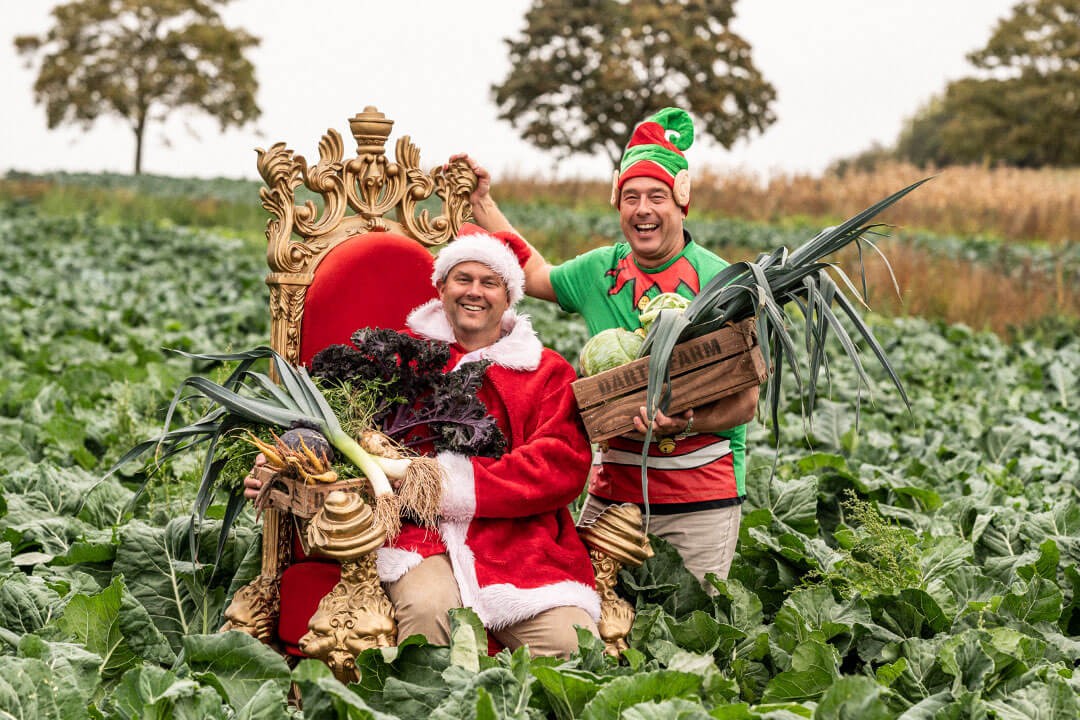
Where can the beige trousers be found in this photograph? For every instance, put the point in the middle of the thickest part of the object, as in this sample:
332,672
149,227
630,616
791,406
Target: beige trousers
705,539
423,596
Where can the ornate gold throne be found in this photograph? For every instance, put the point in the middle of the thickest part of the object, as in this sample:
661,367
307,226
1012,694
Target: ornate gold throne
361,259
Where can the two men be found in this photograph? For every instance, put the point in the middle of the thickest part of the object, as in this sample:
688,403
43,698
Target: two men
506,545
695,492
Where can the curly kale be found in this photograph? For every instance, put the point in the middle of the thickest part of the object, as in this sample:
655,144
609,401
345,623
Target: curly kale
419,402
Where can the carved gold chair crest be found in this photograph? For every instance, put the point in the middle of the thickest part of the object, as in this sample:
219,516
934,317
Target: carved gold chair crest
361,259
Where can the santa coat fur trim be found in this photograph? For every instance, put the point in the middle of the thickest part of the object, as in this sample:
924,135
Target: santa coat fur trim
504,605
392,562
458,489
501,605
517,349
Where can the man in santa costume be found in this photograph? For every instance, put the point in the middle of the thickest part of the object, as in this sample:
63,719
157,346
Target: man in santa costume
505,545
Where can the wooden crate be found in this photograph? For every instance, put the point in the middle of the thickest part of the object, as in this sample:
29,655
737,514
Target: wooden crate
302,500
703,369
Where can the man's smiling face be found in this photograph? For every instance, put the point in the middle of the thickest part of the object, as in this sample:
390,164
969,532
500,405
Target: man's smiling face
650,221
474,298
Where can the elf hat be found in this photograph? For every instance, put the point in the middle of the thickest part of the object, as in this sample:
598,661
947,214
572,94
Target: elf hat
491,249
655,150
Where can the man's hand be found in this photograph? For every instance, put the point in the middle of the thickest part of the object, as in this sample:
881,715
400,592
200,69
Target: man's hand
717,416
253,480
482,193
663,424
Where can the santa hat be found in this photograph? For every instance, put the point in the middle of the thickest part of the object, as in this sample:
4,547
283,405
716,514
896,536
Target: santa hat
503,252
655,151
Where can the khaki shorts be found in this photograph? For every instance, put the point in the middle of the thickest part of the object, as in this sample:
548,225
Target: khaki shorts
422,597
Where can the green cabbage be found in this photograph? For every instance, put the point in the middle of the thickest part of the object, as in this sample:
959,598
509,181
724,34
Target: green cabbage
609,349
663,301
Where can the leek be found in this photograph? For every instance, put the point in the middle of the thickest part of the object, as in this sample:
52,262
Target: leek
762,288
252,397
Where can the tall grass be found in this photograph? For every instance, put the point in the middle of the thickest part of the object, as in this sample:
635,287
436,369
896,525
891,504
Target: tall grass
1014,204
984,296
112,198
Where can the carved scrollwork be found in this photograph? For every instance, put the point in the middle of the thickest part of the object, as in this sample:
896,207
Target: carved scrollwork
356,614
286,309
370,184
281,173
616,614
454,186
325,178
254,609
615,538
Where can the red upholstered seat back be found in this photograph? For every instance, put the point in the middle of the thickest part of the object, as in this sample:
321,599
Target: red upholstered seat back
369,280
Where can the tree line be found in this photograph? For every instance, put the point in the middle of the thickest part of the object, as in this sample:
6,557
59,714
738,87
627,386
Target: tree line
582,72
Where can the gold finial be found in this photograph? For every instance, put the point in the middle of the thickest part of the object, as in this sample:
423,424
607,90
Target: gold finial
617,532
344,528
371,129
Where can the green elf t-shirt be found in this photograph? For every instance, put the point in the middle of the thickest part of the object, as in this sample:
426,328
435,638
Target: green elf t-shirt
608,289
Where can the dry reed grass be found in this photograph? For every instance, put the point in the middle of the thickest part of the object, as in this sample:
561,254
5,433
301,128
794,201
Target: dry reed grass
1013,204
1010,203
957,291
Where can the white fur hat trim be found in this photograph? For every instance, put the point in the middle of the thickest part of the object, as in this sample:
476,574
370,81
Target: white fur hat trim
490,251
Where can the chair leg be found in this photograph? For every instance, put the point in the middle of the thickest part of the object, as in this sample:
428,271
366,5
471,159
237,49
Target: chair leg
255,607
614,539
355,615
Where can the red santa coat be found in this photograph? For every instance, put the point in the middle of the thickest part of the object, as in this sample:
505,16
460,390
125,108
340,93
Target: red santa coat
504,521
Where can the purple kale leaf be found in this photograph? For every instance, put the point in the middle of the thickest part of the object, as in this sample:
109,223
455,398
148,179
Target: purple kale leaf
421,396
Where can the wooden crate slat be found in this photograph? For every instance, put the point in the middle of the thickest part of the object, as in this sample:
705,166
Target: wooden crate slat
297,498
706,384
687,357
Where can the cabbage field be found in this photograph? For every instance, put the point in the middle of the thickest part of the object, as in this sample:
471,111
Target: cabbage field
891,564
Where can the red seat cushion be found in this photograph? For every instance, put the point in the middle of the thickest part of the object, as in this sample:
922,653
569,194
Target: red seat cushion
370,280
303,585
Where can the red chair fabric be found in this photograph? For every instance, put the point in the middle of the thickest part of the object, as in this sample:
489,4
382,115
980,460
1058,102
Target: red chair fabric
370,280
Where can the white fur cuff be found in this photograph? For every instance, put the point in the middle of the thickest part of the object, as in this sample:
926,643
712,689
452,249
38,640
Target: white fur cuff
392,563
504,605
459,486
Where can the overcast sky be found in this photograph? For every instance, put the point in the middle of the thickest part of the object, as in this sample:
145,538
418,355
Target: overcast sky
847,73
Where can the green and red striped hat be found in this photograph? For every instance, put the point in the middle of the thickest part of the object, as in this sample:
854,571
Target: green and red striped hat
655,151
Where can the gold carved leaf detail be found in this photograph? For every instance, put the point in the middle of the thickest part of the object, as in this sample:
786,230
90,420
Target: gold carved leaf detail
327,179
454,187
281,172
374,185
286,309
354,616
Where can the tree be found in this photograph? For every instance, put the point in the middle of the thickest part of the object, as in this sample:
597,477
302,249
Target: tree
1025,110
585,72
920,139
140,60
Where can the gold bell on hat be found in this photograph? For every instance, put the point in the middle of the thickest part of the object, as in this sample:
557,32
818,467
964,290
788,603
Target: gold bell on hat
667,445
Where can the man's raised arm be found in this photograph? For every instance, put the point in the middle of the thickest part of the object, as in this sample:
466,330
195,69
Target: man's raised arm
487,215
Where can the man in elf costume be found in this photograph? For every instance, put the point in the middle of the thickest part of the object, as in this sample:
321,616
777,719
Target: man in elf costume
695,491
506,545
